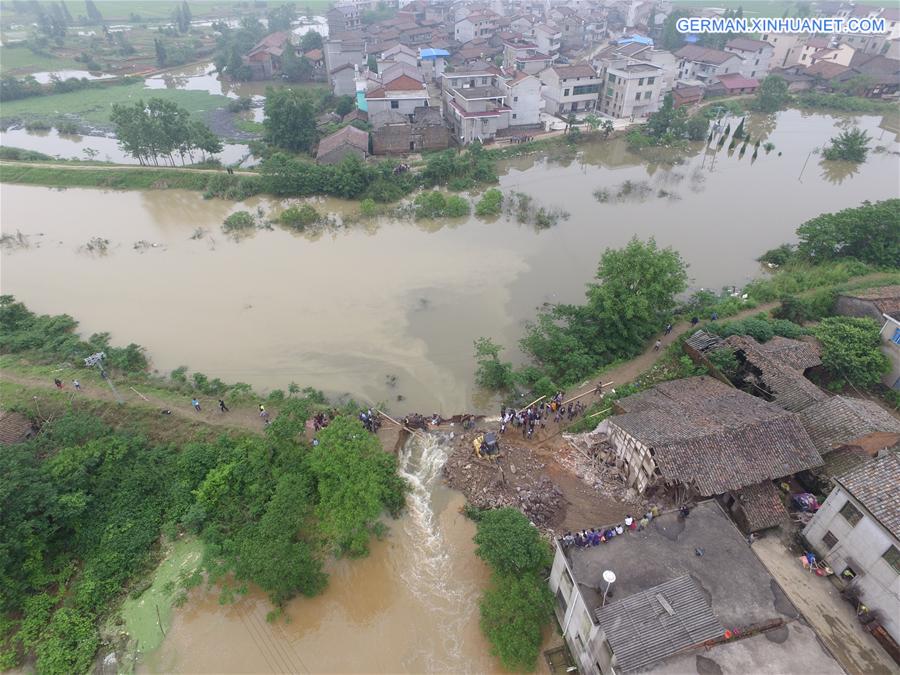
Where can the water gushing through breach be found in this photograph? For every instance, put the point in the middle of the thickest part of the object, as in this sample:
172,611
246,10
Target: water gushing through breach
429,573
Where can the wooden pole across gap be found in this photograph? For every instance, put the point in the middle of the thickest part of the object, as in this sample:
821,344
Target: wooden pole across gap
402,426
139,394
605,384
531,404
599,413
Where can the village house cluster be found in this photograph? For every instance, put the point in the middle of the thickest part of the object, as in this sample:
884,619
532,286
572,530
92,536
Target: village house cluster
739,447
442,73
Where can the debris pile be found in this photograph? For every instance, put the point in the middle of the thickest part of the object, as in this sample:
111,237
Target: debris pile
591,458
516,479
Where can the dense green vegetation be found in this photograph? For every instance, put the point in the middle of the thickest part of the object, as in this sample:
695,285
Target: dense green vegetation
772,94
85,505
851,350
516,606
490,204
869,233
843,102
125,179
669,125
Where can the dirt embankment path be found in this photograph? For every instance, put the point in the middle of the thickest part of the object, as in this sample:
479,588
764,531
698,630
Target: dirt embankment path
117,167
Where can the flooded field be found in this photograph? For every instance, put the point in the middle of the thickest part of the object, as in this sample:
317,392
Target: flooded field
410,606
346,308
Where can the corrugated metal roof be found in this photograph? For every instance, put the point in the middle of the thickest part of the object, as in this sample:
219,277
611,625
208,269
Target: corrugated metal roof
642,630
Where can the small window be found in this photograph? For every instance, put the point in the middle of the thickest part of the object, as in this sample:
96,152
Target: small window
515,98
651,80
395,104
515,116
641,82
647,95
851,514
566,92
829,540
637,96
892,556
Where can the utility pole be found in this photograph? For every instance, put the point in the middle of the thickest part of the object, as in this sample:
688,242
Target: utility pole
96,361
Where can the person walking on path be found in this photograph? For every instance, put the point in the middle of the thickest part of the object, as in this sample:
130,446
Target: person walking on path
657,345
262,411
694,321
77,385
196,404
58,383
222,406
668,328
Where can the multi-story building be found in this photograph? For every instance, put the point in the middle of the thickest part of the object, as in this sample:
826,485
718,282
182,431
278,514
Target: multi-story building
656,601
857,531
570,88
343,19
475,103
523,97
755,55
572,27
480,23
703,63
631,90
523,55
548,39
340,56
398,96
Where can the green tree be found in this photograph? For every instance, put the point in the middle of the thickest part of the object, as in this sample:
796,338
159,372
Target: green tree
696,127
510,544
290,120
431,204
851,350
869,233
93,14
667,122
514,611
672,39
295,68
311,40
355,481
851,145
299,217
637,288
281,17
274,553
492,373
772,94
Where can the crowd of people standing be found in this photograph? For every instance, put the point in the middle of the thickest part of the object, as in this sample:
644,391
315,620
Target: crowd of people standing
537,415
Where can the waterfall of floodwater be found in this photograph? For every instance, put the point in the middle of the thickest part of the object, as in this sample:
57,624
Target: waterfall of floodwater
429,574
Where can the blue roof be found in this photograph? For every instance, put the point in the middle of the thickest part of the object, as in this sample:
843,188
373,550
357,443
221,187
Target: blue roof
640,39
430,53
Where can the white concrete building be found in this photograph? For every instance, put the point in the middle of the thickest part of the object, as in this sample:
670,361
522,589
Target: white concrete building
400,96
474,103
523,97
755,55
857,530
548,39
704,63
477,24
570,88
631,90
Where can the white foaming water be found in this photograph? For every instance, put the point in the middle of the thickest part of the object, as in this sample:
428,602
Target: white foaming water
420,463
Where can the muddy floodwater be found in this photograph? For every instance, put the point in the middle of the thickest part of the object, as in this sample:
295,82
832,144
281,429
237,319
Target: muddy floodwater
350,308
410,606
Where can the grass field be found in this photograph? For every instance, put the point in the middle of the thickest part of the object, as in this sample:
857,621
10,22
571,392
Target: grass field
126,179
16,60
93,106
122,10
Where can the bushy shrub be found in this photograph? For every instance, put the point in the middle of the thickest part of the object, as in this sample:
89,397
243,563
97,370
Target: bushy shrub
430,204
456,207
490,204
239,221
299,217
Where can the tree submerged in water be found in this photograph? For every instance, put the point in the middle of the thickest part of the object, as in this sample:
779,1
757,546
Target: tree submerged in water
851,146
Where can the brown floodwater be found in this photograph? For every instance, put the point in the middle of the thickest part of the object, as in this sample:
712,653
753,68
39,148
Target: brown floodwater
410,606
347,308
